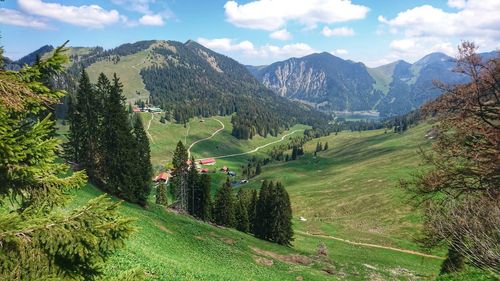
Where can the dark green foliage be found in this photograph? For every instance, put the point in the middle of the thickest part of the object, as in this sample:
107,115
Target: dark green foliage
40,241
319,147
252,209
193,189
161,195
142,161
454,262
241,215
326,146
273,219
224,206
258,169
179,176
203,211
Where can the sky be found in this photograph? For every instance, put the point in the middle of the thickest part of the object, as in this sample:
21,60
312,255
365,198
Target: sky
258,32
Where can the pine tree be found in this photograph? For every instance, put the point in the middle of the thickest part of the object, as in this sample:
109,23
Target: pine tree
224,206
281,231
326,146
38,239
161,195
252,210
118,146
143,169
294,153
262,213
192,188
241,215
179,176
205,200
73,149
258,169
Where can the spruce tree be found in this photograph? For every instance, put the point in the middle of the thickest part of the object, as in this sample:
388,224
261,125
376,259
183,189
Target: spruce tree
241,215
258,169
143,168
262,213
204,199
193,189
224,206
252,210
281,231
118,146
179,176
326,146
39,239
73,149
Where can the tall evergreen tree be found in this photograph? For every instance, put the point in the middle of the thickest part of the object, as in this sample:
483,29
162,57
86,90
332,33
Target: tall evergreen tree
193,190
258,169
179,176
262,213
241,215
38,239
204,198
281,231
252,210
224,206
143,168
326,146
73,149
118,146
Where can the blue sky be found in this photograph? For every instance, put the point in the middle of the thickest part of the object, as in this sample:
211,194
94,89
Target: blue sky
260,31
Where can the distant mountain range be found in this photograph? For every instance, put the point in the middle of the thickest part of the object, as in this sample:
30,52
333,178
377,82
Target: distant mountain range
190,79
330,83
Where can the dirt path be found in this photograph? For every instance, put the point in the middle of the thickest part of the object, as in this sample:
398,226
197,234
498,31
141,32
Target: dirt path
254,150
149,125
370,245
135,66
207,138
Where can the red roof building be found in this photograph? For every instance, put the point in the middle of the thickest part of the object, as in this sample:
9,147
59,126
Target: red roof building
204,170
135,109
208,161
162,177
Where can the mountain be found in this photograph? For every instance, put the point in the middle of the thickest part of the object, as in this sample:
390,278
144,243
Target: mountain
330,83
29,59
188,80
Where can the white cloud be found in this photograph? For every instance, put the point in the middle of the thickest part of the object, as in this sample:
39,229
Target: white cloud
249,53
14,17
339,31
151,20
340,52
92,16
281,34
272,15
426,29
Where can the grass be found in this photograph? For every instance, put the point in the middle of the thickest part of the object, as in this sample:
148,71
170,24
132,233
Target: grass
169,246
129,73
349,191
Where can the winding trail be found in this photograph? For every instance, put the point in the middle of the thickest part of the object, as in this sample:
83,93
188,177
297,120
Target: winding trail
149,125
254,150
370,245
207,138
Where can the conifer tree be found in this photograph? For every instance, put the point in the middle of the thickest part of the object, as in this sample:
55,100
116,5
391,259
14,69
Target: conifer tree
142,161
281,231
161,194
193,191
118,146
37,239
252,210
204,199
224,206
258,169
326,146
262,213
241,215
179,176
294,153
73,149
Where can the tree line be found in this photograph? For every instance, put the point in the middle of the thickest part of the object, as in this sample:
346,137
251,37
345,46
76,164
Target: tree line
107,141
266,214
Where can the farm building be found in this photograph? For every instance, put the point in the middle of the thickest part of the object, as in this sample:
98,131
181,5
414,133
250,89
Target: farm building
162,177
136,110
208,161
204,170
